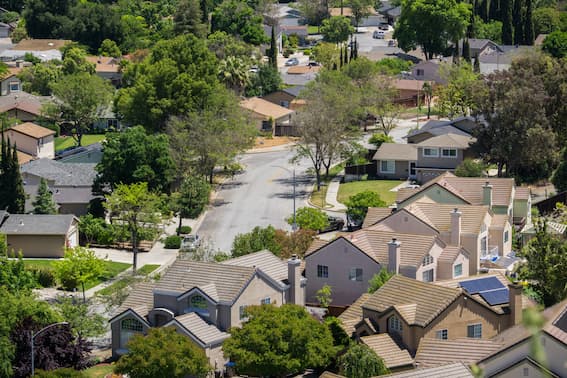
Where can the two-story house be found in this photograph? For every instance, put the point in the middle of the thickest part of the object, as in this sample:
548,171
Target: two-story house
32,140
204,300
348,263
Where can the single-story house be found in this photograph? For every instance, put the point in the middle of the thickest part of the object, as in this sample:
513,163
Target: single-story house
40,235
501,60
390,11
298,30
266,114
33,140
44,49
23,106
5,30
108,68
284,97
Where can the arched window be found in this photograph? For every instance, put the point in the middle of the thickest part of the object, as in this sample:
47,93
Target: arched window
394,324
128,328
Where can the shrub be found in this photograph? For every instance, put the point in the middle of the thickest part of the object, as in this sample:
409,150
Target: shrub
379,138
287,52
44,277
357,205
307,52
184,230
172,242
470,168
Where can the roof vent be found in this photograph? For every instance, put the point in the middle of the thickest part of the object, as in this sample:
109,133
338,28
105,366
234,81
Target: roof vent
21,222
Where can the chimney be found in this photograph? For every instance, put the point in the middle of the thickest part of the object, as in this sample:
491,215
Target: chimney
19,63
456,227
487,195
515,303
296,292
394,256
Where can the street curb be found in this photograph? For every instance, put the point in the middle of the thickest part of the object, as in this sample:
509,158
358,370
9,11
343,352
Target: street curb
264,150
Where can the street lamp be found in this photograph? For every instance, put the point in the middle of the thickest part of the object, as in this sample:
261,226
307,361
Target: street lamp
294,225
33,336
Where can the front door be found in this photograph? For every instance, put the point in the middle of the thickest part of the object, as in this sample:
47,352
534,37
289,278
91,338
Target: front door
412,169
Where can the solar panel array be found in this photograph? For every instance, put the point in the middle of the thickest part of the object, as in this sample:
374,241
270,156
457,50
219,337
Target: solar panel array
489,288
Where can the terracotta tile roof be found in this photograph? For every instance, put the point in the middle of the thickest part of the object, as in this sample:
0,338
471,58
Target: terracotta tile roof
265,108
24,158
265,260
405,193
396,151
353,314
32,130
522,192
347,11
439,215
104,63
205,332
448,140
140,299
12,71
457,370
435,352
385,347
223,281
375,215
427,300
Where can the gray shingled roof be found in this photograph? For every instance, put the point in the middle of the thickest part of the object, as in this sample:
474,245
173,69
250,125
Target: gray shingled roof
140,299
68,174
35,224
294,91
266,261
222,282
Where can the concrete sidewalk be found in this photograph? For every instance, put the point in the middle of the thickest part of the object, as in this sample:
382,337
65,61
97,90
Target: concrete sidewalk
333,192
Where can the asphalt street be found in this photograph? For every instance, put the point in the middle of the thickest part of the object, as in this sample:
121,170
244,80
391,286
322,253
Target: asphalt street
260,196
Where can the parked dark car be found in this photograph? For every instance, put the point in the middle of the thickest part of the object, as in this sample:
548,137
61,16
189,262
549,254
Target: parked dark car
335,224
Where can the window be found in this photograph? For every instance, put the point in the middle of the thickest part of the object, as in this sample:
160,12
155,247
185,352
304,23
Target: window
428,259
394,324
428,275
506,237
129,328
526,372
458,270
198,302
442,334
322,271
14,86
474,331
430,152
112,123
242,312
449,152
285,104
387,166
265,301
419,72
355,274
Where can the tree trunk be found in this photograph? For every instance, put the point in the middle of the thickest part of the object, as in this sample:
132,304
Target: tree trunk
500,166
318,178
134,251
211,176
84,297
179,227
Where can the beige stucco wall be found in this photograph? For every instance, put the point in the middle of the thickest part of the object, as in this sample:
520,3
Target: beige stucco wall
115,333
435,252
340,256
37,245
446,269
45,148
216,357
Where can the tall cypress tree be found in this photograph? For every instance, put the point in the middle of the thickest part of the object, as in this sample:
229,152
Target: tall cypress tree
466,50
3,169
483,10
355,48
518,22
273,50
16,185
507,27
494,10
476,64
529,25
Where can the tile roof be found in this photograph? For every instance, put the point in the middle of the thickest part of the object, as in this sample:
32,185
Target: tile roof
37,224
294,91
435,352
448,140
140,299
63,174
265,260
457,370
439,215
450,253
375,215
32,130
426,300
226,281
328,374
265,108
205,332
301,70
24,158
353,314
396,151
405,193
104,63
385,347
522,192
23,101
315,245
499,220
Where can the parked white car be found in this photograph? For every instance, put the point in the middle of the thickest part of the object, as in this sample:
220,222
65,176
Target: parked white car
190,242
379,34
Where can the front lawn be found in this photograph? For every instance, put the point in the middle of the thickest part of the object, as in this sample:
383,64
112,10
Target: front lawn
112,269
382,187
312,29
98,371
63,142
128,280
318,197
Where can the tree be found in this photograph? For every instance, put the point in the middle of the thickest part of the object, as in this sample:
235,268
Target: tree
137,209
324,296
336,29
82,321
555,44
81,100
361,362
44,203
360,9
546,265
293,243
38,78
327,54
238,19
12,195
14,276
519,21
309,218
507,26
235,74
188,18
379,279
273,54
466,50
79,266
358,204
559,178
470,168
456,98
379,138
75,61
191,199
314,11
134,156
224,45
256,240
546,20
529,27
393,66
431,25
163,352
277,341
47,19
109,48
428,92
266,80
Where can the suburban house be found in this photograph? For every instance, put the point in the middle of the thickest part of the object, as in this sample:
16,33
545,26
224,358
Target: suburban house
39,235
501,59
348,263
390,11
284,97
459,126
10,82
43,49
410,92
479,47
408,311
204,300
23,106
396,357
107,68
32,140
266,114
299,30
278,34
424,160
373,18
70,184
438,352
427,70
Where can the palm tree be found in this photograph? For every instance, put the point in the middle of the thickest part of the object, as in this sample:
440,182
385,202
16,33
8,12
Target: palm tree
234,73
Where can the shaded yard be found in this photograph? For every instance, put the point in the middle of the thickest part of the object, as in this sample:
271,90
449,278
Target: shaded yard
382,187
63,142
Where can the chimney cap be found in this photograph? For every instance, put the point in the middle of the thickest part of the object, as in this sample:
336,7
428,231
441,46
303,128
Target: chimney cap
294,257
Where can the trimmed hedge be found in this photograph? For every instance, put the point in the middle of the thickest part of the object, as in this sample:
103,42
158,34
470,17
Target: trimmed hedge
172,242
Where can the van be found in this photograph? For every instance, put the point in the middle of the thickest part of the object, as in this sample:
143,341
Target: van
378,34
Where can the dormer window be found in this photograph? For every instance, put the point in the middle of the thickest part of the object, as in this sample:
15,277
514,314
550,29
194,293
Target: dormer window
427,260
198,303
128,329
394,324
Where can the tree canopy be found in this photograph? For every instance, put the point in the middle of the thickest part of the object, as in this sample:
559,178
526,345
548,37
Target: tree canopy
239,19
44,203
309,218
358,204
362,362
336,29
79,266
256,240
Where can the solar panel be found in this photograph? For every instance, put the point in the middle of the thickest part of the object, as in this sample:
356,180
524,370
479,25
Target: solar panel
481,284
496,297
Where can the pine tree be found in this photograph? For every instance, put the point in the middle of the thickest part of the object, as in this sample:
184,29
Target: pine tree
518,22
44,203
476,66
528,25
273,50
466,50
18,195
494,10
507,28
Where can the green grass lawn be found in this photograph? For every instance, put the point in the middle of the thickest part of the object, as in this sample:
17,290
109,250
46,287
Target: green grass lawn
318,197
112,269
63,142
98,371
147,269
128,280
312,29
382,187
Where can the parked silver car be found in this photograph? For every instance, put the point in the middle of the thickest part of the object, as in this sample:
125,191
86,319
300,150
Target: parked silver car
190,242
